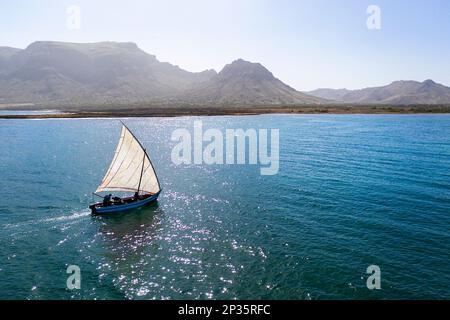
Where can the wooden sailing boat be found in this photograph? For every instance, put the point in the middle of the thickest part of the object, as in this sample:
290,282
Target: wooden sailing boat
131,170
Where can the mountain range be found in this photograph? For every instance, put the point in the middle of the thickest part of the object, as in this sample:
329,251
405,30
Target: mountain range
396,93
111,72
49,72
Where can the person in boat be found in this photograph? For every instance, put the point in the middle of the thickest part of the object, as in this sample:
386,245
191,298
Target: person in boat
107,200
136,196
117,200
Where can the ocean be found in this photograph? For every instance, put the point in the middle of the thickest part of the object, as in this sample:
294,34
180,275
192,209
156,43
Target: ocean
351,191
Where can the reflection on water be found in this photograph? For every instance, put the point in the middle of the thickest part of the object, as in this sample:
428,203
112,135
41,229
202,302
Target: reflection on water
129,240
129,232
351,192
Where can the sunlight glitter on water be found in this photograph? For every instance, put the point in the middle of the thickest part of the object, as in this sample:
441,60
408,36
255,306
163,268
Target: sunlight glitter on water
350,192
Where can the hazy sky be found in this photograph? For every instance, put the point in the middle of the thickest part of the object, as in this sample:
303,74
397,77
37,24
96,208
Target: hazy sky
307,44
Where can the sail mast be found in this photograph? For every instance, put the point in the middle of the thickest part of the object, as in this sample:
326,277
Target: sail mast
142,171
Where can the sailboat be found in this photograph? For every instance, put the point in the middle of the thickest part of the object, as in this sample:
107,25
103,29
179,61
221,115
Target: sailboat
131,170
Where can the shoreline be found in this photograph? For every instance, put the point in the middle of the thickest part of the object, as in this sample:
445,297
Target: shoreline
223,111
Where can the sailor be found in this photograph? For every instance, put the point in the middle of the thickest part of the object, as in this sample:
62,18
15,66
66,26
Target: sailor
136,196
107,200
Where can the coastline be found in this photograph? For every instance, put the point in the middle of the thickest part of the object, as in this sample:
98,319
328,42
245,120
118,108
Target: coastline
176,111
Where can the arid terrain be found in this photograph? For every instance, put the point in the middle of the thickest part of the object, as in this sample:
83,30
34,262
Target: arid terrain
199,110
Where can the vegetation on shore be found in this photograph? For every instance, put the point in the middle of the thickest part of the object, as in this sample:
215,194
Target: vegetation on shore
141,110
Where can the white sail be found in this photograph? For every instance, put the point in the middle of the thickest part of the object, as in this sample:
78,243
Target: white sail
129,164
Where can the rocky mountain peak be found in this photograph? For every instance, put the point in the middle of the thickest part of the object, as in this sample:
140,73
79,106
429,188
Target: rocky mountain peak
244,69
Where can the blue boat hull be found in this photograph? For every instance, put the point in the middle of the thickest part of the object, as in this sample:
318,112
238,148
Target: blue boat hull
99,209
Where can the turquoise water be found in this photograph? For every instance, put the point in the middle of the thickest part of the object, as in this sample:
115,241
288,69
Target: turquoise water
352,191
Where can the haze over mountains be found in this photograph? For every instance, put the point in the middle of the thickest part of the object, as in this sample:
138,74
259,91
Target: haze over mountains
98,72
110,72
119,73
396,93
248,83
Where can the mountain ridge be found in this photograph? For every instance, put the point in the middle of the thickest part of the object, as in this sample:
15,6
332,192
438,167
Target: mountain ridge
120,72
247,82
108,73
401,92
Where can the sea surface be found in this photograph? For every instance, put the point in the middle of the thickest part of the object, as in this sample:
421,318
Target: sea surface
352,191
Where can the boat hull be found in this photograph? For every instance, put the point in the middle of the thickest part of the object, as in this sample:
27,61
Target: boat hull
99,209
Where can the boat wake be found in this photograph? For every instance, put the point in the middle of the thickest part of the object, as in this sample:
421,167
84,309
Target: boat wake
73,216
62,218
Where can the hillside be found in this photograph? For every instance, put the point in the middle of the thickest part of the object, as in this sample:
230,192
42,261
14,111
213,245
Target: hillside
119,73
396,93
247,83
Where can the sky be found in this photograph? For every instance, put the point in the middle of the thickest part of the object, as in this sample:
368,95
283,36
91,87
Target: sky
307,44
